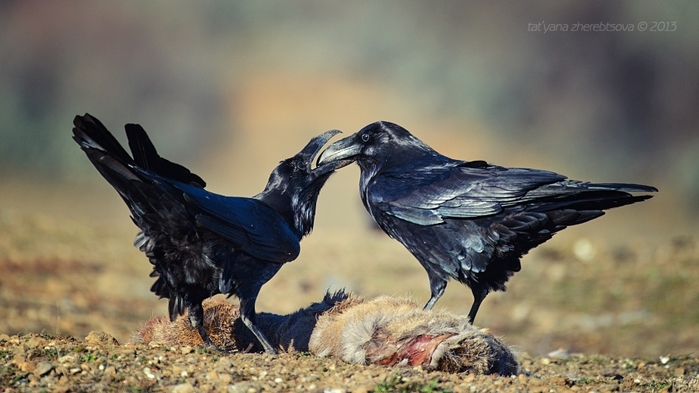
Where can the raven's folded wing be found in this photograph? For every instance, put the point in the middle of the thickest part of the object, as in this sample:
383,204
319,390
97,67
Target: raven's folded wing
247,223
429,195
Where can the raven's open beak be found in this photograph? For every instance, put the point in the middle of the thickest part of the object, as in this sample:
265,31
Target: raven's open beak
345,150
313,148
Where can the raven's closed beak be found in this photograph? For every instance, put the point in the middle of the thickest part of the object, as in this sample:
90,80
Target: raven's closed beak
345,149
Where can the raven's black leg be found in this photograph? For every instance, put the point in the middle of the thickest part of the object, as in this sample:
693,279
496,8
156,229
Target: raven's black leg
247,315
437,287
196,318
478,295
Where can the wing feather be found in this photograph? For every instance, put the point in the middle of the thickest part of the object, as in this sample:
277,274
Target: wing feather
458,191
247,223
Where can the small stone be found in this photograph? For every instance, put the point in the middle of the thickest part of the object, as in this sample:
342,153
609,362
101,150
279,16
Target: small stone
127,352
99,338
61,370
27,367
42,368
225,378
110,371
35,342
522,378
212,376
223,364
149,373
66,359
584,250
561,354
178,370
608,388
186,350
239,388
182,388
4,337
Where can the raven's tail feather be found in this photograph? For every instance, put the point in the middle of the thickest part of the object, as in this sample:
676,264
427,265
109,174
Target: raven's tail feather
105,153
118,168
90,133
625,187
593,198
147,157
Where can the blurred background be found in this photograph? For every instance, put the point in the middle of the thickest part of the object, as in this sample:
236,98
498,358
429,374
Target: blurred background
230,88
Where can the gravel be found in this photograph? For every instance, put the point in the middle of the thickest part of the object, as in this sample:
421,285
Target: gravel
34,362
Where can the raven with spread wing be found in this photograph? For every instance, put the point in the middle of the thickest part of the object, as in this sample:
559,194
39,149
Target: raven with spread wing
470,221
200,243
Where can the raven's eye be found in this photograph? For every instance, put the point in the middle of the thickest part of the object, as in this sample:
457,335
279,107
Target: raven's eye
297,165
365,138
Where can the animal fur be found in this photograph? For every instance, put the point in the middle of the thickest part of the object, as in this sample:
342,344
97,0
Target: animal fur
386,331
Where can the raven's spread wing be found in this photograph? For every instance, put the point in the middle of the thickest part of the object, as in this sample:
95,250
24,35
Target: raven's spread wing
248,223
427,195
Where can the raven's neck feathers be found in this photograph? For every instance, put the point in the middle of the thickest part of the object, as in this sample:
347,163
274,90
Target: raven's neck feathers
297,208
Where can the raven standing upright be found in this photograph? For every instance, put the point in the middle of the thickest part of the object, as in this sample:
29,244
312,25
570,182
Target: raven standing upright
201,243
470,221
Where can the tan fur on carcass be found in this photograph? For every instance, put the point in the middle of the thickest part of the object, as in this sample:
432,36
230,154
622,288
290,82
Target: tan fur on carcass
387,331
395,331
222,321
219,317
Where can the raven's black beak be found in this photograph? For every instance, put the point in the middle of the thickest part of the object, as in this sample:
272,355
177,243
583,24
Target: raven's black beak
345,150
313,148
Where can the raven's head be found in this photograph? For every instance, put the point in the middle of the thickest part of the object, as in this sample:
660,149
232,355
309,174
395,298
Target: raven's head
293,186
376,146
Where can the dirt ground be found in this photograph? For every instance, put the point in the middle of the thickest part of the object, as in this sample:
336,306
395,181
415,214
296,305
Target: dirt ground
583,314
46,363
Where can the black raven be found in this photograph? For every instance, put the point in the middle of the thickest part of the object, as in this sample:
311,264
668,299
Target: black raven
200,243
467,220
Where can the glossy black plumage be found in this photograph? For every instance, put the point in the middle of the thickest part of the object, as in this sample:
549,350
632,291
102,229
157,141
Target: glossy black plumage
200,243
470,221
